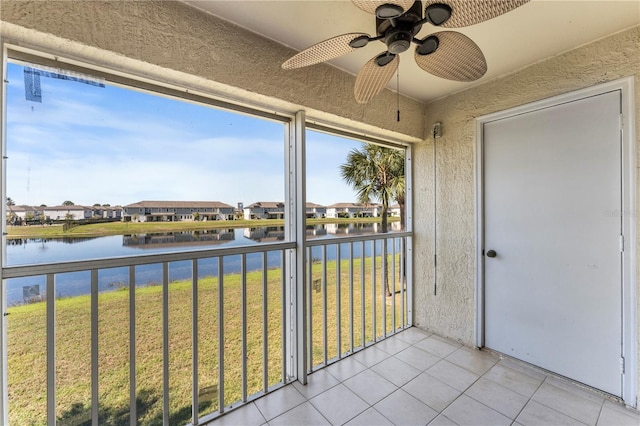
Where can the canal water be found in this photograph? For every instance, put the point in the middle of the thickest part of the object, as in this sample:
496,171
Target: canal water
55,250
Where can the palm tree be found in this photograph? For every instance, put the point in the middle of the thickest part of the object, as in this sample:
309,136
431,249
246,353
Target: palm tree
377,173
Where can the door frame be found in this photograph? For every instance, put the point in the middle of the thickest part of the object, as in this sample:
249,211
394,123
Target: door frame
629,300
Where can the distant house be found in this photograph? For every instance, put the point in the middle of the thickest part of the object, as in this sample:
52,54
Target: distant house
315,211
67,212
18,214
394,210
171,211
108,212
351,210
264,210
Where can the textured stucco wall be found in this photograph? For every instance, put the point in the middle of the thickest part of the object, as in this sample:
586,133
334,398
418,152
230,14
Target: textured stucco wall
452,311
174,37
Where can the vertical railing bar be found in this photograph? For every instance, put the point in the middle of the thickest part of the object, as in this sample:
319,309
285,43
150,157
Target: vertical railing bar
324,304
194,343
133,408
283,295
220,335
409,279
243,313
309,308
265,334
351,325
94,347
362,298
402,281
165,342
51,350
385,283
373,289
338,302
393,284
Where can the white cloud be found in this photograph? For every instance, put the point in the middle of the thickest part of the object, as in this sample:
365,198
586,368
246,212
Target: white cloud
111,145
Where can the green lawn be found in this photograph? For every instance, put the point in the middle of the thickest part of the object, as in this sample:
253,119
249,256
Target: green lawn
26,330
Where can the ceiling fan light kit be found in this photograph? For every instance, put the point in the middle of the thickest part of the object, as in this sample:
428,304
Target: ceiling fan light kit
389,11
446,54
438,13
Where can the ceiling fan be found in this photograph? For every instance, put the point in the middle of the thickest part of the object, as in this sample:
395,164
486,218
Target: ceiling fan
446,54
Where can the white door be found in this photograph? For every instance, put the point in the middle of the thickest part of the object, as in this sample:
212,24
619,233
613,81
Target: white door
552,187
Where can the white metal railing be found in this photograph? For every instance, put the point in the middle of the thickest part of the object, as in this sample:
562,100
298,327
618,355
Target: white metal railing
188,350
232,329
357,298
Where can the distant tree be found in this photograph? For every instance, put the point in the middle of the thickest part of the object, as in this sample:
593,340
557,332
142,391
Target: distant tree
106,205
68,203
10,202
376,172
43,205
399,197
96,205
196,216
12,219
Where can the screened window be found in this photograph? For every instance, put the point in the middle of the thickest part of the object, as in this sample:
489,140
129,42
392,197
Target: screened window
351,185
78,142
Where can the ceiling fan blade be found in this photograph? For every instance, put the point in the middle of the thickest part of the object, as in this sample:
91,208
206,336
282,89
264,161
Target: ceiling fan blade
470,12
457,58
323,51
372,77
370,6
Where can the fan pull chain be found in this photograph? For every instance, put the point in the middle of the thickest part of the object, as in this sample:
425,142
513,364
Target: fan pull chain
398,91
435,215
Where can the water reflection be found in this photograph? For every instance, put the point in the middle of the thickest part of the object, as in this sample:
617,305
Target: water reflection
270,234
52,250
57,250
65,240
183,239
176,239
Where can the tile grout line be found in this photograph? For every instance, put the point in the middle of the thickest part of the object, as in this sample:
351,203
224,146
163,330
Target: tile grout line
547,377
286,411
425,372
600,412
462,393
503,387
397,388
531,398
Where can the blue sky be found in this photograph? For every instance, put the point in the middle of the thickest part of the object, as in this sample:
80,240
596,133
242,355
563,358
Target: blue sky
90,144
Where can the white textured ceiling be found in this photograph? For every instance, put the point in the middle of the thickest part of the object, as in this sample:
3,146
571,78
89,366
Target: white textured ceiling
528,34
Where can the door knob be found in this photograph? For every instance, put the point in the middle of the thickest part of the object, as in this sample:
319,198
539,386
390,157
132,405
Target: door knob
492,253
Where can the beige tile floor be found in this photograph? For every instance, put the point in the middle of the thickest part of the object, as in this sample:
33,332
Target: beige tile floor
415,378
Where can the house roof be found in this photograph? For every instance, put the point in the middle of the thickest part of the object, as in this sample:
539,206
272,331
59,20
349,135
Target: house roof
23,208
180,204
266,205
68,208
314,205
352,205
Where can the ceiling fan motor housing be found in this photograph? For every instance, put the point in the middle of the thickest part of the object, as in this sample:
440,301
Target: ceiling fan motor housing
398,41
398,33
